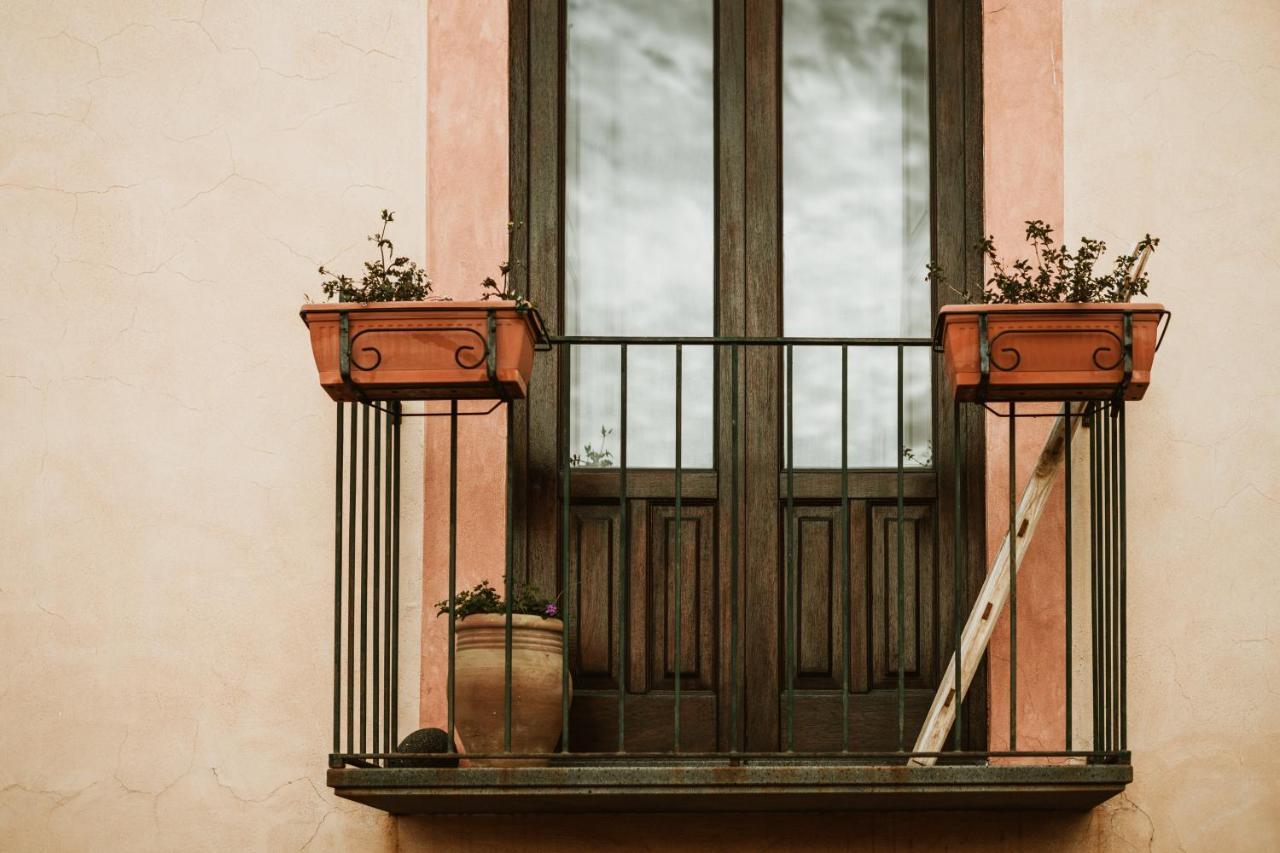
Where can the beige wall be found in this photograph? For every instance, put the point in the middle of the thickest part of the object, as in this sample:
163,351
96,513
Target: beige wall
171,174
1172,120
165,579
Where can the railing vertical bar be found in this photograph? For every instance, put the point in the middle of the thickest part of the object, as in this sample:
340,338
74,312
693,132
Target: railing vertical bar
733,551
1013,578
902,575
679,551
1095,588
388,622
1110,577
790,536
624,569
453,568
959,573
1105,575
352,479
337,587
565,596
1066,511
375,587
1115,576
1105,570
395,580
364,571
1123,604
846,615
508,580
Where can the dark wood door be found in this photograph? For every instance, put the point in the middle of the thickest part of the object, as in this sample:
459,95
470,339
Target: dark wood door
775,595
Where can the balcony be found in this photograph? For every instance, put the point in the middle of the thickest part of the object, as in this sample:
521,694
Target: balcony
744,630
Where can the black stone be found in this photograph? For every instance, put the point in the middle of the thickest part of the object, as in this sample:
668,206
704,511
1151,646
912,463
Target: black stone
426,740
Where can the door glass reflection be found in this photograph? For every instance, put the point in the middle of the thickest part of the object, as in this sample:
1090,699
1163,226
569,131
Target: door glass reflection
640,222
856,221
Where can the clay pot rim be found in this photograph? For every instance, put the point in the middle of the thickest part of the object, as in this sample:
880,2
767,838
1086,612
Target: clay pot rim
1054,308
1043,309
413,306
507,309
526,621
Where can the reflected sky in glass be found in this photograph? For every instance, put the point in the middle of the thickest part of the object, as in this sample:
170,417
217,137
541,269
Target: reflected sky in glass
640,219
855,221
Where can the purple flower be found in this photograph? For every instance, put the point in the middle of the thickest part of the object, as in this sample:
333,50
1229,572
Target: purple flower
551,611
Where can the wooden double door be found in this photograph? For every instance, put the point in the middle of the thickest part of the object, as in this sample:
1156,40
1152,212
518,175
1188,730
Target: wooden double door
772,172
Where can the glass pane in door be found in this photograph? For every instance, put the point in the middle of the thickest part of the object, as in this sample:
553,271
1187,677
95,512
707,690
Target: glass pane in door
640,222
856,222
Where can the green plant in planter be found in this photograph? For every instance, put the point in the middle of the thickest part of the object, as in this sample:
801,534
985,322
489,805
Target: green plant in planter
492,290
400,280
1058,275
389,278
483,598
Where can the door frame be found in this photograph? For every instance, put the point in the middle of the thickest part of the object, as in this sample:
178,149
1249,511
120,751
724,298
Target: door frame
748,256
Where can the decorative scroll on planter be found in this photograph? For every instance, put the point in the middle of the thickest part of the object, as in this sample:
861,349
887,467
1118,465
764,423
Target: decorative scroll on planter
424,350
1049,351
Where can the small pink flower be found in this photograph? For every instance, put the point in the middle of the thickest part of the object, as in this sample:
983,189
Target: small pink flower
551,611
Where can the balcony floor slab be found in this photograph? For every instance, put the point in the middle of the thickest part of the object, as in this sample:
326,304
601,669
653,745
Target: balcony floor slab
699,788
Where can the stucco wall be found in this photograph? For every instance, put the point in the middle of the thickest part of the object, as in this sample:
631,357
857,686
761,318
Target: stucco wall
1172,116
1022,180
467,210
171,175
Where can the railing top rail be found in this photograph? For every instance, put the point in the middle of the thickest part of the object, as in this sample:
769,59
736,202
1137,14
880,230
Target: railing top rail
735,340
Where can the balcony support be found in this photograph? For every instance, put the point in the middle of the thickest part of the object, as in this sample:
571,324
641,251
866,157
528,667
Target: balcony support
775,785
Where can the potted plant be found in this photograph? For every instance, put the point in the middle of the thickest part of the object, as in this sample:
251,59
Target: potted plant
537,647
386,338
1052,331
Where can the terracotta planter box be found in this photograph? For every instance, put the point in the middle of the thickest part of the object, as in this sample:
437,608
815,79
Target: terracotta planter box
536,689
1049,352
424,350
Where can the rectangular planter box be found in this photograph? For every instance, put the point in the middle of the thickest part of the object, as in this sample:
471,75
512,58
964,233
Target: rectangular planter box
424,350
1048,352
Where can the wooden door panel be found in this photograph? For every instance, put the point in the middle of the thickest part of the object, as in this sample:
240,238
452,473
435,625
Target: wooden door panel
820,647
873,720
650,722
697,580
818,578
594,582
919,627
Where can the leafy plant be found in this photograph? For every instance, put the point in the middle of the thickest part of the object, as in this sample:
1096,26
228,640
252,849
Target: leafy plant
483,598
493,291
399,280
592,457
1058,275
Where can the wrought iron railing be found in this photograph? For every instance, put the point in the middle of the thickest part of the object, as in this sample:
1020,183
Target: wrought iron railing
367,556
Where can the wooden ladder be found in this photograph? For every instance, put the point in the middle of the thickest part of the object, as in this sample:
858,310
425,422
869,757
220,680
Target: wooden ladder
995,591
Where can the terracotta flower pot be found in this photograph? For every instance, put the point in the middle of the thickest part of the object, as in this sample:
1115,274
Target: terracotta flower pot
1039,351
424,350
479,670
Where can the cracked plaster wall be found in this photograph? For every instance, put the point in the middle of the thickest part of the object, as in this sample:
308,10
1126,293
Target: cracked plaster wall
1172,111
171,174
